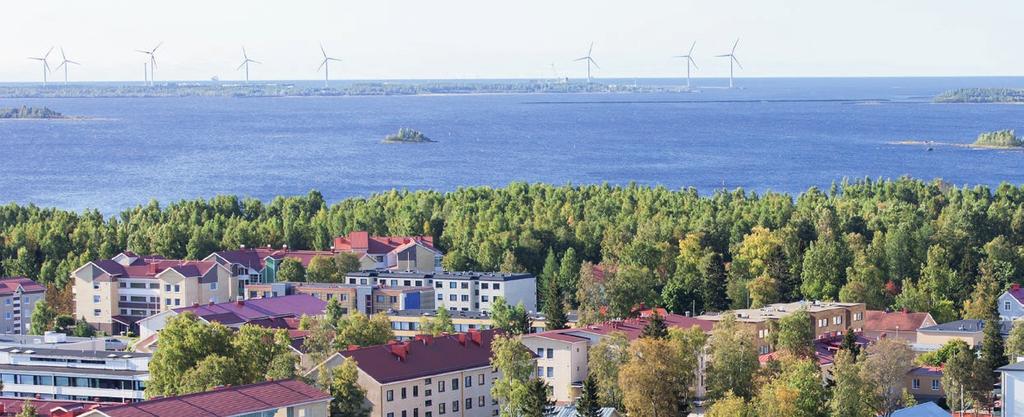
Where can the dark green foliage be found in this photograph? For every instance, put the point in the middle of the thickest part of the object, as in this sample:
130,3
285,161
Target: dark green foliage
588,405
554,308
536,403
655,327
981,95
850,344
1000,139
29,113
993,347
291,270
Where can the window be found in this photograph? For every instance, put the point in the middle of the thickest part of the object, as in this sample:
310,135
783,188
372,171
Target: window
391,395
427,381
96,312
481,401
419,283
154,286
551,372
440,297
8,316
468,382
540,371
485,298
455,406
480,381
403,393
380,298
484,286
393,299
167,301
469,403
415,390
403,413
440,386
837,320
915,384
438,285
935,385
497,286
177,301
393,283
455,385
551,353
426,393
95,298
391,414
96,285
167,287
406,283
362,281
453,285
440,408
428,414
465,285
540,352
453,297
465,297
119,285
213,286
1006,306
177,288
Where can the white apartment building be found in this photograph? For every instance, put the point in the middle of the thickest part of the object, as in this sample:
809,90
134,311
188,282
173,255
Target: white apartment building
460,291
18,298
63,374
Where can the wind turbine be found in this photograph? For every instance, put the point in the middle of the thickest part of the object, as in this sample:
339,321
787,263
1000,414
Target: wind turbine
152,60
64,63
325,65
245,63
732,58
46,65
590,60
689,60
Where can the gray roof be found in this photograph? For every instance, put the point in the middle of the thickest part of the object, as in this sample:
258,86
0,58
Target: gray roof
70,353
1013,367
928,409
570,411
967,326
465,275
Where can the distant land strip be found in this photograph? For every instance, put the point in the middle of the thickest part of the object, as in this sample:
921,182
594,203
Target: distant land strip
784,100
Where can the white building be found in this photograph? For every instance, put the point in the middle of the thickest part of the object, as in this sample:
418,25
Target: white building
461,291
1011,303
62,374
1013,389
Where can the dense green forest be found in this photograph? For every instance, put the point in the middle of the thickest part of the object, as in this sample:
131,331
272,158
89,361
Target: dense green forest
924,246
982,95
1000,139
25,112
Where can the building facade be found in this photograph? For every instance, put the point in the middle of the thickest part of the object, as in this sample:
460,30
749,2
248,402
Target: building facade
1011,303
969,330
394,253
18,298
112,295
829,319
406,322
1012,388
352,297
63,374
895,324
459,291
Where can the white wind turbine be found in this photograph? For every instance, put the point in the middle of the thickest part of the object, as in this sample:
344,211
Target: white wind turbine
689,60
732,58
46,65
245,63
590,60
325,64
64,63
152,60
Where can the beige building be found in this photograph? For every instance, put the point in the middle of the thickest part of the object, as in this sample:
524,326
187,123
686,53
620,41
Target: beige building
829,319
895,324
18,298
448,376
286,398
406,322
970,331
363,298
112,295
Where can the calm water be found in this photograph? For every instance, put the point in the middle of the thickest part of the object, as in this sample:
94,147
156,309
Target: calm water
778,134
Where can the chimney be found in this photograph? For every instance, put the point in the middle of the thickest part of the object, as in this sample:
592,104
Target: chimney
1015,286
476,337
353,347
196,304
242,247
153,268
462,339
239,303
284,246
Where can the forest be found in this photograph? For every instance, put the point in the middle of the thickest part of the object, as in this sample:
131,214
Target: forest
900,244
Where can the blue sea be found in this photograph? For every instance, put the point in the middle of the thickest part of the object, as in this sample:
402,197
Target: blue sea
769,134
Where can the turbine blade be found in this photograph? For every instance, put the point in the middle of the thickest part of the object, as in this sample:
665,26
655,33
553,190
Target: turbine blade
693,62
73,62
737,61
255,61
143,52
61,65
152,60
324,62
734,45
241,65
48,53
722,56
691,48
594,62
47,67
334,59
156,47
591,50
62,56
581,59
322,50
244,55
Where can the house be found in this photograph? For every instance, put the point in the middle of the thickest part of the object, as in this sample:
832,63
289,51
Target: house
260,265
928,409
287,398
562,354
395,253
406,323
271,312
1011,303
10,407
925,383
449,375
895,324
968,330
18,298
829,319
459,291
114,294
64,374
363,298
1012,388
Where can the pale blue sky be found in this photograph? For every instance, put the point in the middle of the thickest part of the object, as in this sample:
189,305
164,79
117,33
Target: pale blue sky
387,39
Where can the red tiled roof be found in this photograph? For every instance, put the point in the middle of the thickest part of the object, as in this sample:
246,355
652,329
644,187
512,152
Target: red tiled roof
256,258
257,309
362,242
875,320
151,266
1017,292
926,371
224,402
10,285
44,408
632,328
428,356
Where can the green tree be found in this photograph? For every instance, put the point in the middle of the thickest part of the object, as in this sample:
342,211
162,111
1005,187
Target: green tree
64,323
536,402
514,320
650,380
984,300
714,294
1015,342
730,406
361,330
590,296
946,351
554,308
515,364
850,345
569,276
548,274
212,371
993,348
824,270
27,410
42,318
961,380
655,327
291,270
588,404
349,397
333,311
82,329
733,359
796,392
441,323
630,287
323,269
346,262
796,334
184,342
885,367
256,348
605,360
851,394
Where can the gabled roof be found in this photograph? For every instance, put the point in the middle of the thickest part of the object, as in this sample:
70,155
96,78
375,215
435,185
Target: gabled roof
44,408
224,402
150,267
928,409
966,326
824,349
237,312
425,356
10,285
257,258
1016,292
632,328
875,320
361,241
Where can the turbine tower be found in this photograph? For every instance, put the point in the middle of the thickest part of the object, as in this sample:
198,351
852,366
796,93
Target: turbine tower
325,64
46,65
245,63
590,60
152,60
64,63
732,58
689,60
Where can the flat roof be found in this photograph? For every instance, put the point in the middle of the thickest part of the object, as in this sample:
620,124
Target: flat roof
780,310
480,315
446,275
71,353
967,326
65,370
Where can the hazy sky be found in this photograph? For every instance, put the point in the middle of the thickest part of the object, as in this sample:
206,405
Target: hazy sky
385,39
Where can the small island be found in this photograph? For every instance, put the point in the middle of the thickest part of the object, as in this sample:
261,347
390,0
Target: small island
406,135
982,95
999,139
25,112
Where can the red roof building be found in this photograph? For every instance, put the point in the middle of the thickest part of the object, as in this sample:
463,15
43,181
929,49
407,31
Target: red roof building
288,397
10,407
895,324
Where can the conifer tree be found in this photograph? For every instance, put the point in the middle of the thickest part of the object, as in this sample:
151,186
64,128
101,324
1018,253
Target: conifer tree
554,309
655,327
587,404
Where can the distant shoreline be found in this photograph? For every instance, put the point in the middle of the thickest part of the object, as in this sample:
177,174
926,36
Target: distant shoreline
955,145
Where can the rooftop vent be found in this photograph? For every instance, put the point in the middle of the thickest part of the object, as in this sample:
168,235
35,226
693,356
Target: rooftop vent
126,356
15,351
112,355
29,352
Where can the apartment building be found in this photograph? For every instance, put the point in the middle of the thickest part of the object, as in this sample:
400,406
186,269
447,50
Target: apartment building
363,298
287,398
18,297
829,319
969,330
448,376
114,294
406,322
395,253
460,291
925,383
274,312
562,354
65,374
895,324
